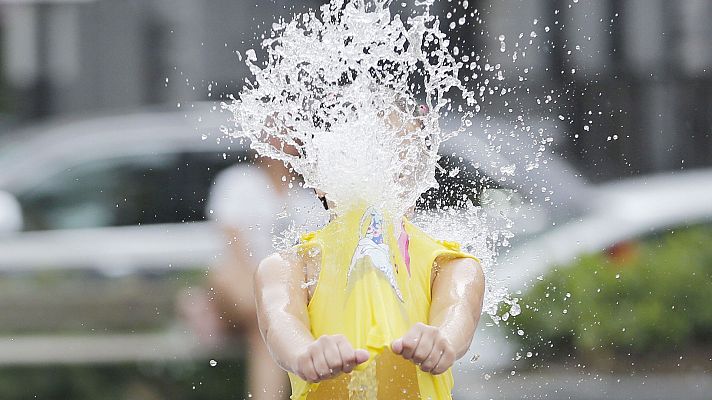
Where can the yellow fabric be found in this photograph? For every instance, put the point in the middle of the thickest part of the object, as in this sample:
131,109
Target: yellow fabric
367,308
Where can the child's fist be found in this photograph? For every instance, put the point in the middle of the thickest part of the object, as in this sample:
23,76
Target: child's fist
327,357
427,347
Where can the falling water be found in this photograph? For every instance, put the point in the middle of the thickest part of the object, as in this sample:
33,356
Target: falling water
341,91
354,98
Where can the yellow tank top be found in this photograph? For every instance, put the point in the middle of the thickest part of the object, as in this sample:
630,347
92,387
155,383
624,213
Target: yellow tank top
373,286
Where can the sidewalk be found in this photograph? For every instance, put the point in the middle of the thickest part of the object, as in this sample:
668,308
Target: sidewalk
555,385
485,373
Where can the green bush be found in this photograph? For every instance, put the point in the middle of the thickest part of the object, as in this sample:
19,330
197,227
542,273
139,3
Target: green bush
653,300
189,380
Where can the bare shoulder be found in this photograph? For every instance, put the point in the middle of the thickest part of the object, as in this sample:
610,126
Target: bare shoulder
275,261
457,268
279,266
291,268
465,262
279,288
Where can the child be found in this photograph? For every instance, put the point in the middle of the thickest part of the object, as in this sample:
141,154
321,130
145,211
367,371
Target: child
391,311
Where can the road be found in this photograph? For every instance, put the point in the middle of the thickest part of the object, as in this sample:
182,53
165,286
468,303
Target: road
585,385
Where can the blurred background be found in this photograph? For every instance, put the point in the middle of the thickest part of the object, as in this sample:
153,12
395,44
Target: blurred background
110,146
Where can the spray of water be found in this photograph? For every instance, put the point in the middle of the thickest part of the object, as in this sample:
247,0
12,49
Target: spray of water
352,96
339,92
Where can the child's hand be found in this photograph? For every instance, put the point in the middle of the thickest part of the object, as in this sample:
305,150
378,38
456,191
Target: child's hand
427,347
327,357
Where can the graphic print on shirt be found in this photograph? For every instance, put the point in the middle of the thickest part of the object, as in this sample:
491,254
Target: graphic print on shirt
373,246
403,244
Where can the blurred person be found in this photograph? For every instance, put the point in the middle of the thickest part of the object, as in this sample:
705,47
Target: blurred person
10,214
251,204
369,306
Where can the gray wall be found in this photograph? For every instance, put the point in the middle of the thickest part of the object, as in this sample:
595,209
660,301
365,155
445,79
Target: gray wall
643,68
67,57
638,70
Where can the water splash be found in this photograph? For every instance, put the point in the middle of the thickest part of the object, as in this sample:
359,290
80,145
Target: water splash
338,99
354,98
473,229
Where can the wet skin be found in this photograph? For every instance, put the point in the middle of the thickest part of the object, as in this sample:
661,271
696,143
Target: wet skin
282,297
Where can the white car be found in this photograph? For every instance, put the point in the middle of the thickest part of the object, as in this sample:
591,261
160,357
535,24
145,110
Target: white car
112,193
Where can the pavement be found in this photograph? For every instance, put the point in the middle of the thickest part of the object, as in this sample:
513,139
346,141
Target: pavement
585,385
491,370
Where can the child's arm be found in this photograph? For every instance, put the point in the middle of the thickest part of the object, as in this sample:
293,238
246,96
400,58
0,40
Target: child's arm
284,323
457,294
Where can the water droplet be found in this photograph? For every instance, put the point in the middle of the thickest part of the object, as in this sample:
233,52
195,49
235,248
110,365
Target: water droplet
508,169
251,55
515,310
326,52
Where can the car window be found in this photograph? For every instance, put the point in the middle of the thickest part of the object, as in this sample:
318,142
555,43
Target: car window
141,189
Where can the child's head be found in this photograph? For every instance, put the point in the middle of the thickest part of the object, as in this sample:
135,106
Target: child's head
406,120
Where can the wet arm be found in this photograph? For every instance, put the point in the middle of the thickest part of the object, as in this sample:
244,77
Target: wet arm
281,309
457,294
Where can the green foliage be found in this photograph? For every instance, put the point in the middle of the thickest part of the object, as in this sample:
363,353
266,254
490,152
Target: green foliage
653,300
174,381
